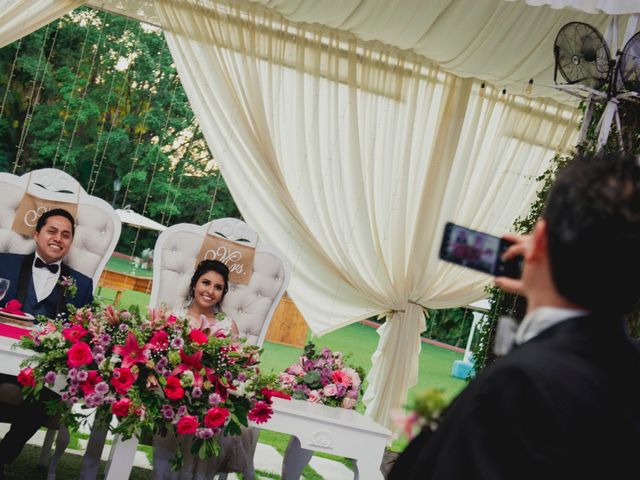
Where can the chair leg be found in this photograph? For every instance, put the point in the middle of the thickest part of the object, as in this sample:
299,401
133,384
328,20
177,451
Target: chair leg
61,445
45,453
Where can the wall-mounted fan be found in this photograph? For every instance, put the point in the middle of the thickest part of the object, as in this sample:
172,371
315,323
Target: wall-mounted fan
583,59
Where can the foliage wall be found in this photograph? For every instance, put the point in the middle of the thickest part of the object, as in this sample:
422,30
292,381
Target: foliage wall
97,95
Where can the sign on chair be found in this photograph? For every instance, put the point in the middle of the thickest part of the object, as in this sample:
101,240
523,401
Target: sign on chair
235,255
31,209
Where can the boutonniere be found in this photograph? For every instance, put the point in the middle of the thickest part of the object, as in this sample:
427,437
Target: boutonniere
69,286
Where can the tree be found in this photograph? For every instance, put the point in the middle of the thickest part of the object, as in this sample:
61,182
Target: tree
97,95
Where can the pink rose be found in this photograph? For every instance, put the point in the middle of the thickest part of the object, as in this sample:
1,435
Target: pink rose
159,341
122,380
187,425
121,407
75,333
198,336
79,354
286,380
295,370
314,396
330,390
26,377
348,402
216,417
173,389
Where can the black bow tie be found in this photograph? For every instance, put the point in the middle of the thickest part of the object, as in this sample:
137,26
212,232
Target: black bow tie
53,268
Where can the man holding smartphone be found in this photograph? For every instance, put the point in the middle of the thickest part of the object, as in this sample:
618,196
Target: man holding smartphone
565,402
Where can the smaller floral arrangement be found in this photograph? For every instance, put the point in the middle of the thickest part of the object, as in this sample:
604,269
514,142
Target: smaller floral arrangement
323,378
424,412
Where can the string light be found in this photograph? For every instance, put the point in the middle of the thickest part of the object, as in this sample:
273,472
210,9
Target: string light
528,89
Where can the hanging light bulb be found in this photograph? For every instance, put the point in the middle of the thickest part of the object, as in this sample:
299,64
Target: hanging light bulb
504,91
528,89
482,89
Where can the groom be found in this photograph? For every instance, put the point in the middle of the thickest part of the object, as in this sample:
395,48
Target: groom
35,282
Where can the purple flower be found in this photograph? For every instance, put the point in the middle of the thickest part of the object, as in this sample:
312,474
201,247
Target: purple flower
82,376
73,390
204,433
196,392
241,377
109,400
50,377
167,411
93,400
98,357
340,390
101,388
125,314
352,394
104,339
177,343
98,349
182,410
72,373
64,396
214,399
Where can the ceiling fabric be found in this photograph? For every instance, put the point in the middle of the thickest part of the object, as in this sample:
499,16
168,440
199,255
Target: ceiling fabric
350,159
506,43
21,17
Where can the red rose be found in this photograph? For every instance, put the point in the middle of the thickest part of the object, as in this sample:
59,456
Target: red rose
89,385
26,377
216,417
171,319
187,425
173,390
269,394
160,340
198,336
121,407
79,354
122,379
75,333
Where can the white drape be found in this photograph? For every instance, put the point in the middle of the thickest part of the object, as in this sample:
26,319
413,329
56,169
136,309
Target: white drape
21,17
350,159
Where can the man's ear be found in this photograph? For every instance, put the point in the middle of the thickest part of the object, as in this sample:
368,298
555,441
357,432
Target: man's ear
538,248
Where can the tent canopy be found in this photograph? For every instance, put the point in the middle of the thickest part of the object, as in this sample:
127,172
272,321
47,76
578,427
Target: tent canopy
132,218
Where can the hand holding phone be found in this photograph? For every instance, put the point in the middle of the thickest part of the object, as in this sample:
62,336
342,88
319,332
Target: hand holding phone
479,251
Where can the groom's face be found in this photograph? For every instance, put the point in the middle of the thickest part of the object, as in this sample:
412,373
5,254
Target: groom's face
54,239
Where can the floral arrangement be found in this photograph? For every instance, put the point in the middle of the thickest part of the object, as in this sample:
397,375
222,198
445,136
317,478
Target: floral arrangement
323,378
425,412
155,373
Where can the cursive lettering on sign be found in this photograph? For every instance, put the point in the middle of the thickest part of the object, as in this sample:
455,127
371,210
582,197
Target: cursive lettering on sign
31,216
228,257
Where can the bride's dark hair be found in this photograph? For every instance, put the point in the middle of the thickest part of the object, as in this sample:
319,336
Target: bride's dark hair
209,266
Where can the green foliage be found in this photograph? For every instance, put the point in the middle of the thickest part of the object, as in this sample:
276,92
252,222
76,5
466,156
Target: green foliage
98,96
515,306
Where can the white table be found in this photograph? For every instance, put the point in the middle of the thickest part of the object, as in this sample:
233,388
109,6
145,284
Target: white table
341,432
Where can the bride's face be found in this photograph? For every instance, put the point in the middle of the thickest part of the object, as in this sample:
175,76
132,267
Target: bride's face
208,290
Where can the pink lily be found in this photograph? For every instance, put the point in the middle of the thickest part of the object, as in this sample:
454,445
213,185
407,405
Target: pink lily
131,352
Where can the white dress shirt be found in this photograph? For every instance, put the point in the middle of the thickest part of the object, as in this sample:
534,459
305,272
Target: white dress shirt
43,280
542,318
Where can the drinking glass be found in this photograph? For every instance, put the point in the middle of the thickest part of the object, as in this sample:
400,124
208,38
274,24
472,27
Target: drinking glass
4,286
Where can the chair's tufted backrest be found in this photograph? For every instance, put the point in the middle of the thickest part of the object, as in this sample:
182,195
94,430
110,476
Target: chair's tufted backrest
251,305
97,226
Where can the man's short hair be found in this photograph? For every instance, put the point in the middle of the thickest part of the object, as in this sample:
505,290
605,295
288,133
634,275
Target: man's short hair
56,212
593,232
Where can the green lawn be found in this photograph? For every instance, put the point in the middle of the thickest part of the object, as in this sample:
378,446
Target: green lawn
125,266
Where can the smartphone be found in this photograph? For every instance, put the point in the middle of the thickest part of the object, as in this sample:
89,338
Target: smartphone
479,251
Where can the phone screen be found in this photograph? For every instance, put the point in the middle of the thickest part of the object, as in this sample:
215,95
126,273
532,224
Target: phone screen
478,250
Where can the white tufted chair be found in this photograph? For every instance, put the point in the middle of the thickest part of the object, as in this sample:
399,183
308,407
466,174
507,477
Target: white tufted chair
251,305
97,232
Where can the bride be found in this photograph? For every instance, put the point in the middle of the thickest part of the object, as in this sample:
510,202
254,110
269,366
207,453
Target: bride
202,307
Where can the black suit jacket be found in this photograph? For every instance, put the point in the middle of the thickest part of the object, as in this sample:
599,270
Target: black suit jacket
18,270
565,405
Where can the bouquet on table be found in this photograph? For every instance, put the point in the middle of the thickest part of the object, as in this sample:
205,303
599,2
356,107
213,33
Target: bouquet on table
155,373
323,378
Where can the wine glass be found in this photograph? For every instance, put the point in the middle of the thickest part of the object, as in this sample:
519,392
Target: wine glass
4,286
